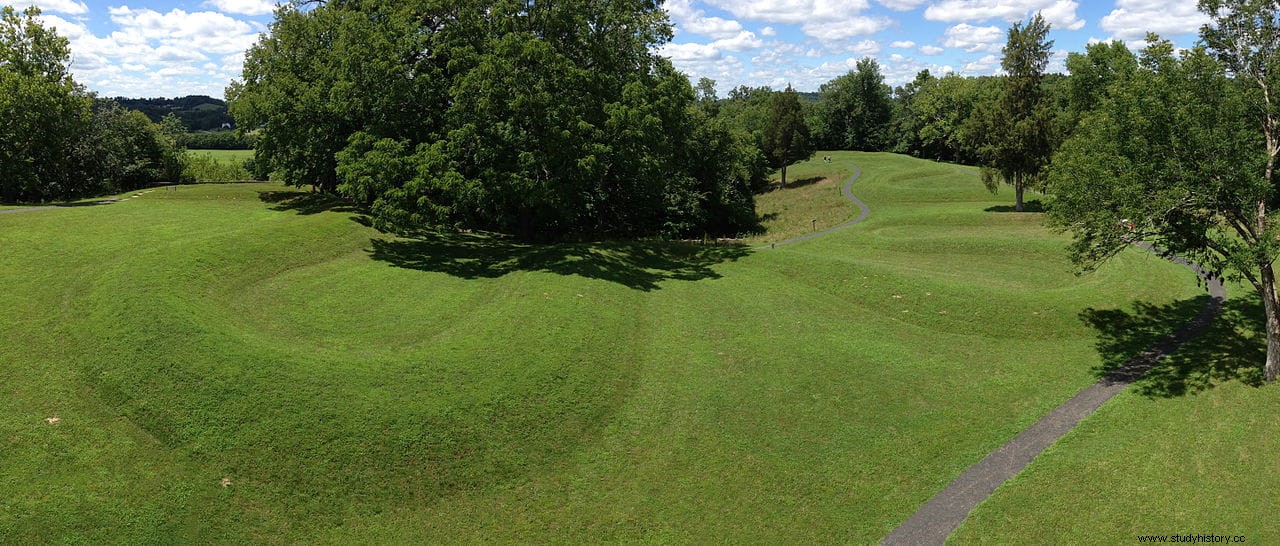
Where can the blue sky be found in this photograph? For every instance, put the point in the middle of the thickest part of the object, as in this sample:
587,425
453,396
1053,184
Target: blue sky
155,48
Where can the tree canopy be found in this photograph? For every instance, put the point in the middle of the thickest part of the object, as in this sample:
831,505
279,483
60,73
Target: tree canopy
543,119
56,141
1018,129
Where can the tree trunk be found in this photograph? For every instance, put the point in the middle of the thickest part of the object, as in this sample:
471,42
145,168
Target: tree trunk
1017,189
1272,307
784,174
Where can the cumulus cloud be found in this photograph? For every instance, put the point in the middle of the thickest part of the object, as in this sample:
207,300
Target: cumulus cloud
974,39
901,5
1133,19
828,21
931,50
1060,14
768,31
985,66
904,44
69,7
243,7
150,53
689,19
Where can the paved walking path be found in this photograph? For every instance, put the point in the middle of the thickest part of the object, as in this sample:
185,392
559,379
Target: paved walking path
847,190
935,521
940,516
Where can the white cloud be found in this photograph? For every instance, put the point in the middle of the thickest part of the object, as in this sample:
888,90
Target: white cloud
974,39
901,5
768,31
931,50
693,20
683,53
243,7
904,44
743,41
1133,19
1059,14
204,30
827,20
843,29
70,7
985,66
864,47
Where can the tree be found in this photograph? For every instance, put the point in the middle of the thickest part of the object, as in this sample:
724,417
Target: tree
786,136
855,110
1093,72
545,120
946,115
907,121
43,111
1176,154
1018,129
1245,36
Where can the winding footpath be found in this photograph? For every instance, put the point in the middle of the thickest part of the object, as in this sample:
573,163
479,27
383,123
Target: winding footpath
847,190
941,515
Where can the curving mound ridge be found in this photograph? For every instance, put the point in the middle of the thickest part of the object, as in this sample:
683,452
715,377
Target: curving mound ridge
354,387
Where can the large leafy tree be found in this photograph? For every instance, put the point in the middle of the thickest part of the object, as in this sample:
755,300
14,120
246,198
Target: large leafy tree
547,119
945,110
43,111
786,136
1018,129
855,110
1175,154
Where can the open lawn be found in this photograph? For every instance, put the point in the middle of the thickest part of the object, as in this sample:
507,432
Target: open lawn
231,363
238,156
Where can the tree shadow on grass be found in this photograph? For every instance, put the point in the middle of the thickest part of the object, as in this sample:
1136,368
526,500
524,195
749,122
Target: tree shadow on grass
1034,205
802,182
1232,347
306,202
636,265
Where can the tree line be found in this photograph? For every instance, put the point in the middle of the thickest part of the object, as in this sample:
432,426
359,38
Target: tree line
59,141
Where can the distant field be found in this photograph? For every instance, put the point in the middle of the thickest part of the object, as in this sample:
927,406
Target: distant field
225,155
246,363
217,165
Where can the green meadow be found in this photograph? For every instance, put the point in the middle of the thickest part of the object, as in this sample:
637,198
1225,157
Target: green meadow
237,156
250,362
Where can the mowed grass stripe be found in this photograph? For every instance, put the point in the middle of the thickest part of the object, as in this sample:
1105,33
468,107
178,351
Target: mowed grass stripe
481,390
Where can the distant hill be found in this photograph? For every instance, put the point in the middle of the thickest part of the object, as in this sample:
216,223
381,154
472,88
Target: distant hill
197,112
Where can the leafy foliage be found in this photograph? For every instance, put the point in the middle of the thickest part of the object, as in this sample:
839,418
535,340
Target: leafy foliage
854,110
1017,131
545,120
197,112
786,137
57,142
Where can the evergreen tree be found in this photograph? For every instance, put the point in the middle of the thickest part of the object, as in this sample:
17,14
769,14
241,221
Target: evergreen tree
1018,130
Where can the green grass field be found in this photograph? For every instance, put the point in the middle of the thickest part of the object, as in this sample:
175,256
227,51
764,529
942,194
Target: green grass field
238,156
353,387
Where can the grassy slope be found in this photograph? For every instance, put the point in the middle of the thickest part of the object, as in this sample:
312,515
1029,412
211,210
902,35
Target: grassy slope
811,200
461,389
1191,449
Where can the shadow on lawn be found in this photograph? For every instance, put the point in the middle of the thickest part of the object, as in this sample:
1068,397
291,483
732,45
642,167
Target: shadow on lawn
637,265
306,202
1234,347
1034,205
802,182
